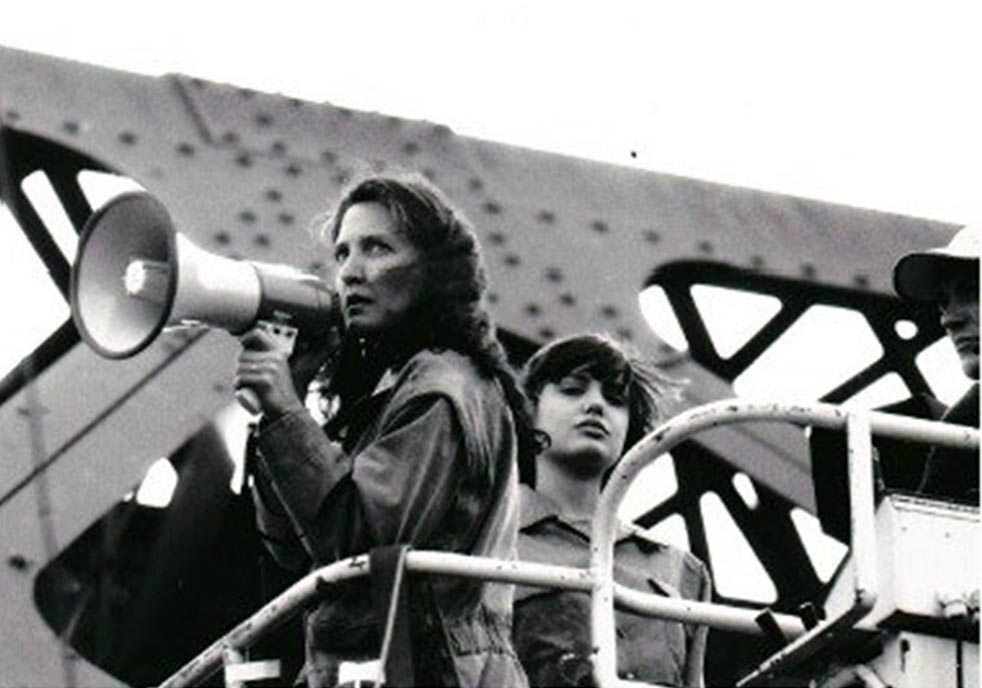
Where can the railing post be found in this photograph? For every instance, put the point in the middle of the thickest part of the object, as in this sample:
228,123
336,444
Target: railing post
232,657
239,670
862,509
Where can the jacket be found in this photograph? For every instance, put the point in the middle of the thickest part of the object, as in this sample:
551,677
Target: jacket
427,460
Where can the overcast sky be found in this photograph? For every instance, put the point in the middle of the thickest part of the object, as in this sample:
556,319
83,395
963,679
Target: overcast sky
871,104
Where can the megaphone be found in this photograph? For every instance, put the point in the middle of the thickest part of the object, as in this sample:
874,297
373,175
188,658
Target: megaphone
135,275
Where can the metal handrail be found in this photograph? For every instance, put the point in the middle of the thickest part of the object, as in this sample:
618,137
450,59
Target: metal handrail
598,578
859,426
290,602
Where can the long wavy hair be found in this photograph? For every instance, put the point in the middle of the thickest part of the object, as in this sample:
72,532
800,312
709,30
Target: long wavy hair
450,312
650,392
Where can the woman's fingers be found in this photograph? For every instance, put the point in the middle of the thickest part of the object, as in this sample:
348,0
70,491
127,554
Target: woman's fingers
258,339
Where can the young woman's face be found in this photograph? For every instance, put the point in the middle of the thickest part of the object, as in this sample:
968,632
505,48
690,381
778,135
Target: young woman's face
586,421
379,271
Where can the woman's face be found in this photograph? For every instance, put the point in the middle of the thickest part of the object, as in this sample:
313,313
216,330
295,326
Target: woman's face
379,271
586,421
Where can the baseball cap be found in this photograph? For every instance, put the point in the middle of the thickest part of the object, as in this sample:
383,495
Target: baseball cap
918,276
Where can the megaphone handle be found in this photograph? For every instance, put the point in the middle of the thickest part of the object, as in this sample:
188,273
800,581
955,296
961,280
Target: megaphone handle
286,338
249,400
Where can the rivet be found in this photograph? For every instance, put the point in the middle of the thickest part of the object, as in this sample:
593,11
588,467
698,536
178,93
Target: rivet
247,93
316,266
264,119
492,297
329,156
223,238
599,226
705,247
71,126
567,299
547,332
652,237
285,218
475,184
127,137
512,260
218,387
12,115
278,147
757,262
554,274
497,238
247,216
533,309
18,562
230,137
609,311
274,195
492,208
243,160
410,148
625,333
546,217
861,281
808,270
185,149
429,173
342,177
293,170
261,240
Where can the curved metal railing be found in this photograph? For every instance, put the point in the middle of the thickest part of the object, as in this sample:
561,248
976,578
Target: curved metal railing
858,424
598,578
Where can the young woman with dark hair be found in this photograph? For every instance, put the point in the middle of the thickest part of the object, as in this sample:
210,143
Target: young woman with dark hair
426,421
592,399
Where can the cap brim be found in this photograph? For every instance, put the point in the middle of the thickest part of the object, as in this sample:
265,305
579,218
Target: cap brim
919,276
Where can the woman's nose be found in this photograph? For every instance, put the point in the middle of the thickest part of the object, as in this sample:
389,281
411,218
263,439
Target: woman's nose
593,402
351,271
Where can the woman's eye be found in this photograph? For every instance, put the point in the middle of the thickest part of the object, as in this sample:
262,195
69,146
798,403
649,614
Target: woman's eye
376,248
615,398
571,385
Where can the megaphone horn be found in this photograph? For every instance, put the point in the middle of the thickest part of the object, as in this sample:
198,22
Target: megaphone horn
135,274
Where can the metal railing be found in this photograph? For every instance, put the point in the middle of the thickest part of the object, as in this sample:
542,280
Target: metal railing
858,424
598,578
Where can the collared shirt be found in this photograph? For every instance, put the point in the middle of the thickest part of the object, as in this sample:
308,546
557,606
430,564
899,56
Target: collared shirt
427,460
552,628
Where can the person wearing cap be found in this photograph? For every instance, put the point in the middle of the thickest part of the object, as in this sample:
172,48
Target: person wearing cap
948,276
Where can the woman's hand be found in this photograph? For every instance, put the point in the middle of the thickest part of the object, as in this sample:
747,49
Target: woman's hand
265,369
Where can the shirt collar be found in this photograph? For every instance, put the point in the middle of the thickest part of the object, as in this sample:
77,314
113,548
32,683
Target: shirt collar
537,508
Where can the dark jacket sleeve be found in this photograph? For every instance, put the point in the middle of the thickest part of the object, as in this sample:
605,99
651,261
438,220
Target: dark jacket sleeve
272,522
395,490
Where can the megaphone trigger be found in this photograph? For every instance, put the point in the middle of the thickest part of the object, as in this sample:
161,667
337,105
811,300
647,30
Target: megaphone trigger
249,400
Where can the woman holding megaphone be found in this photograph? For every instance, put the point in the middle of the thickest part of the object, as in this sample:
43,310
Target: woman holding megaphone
420,447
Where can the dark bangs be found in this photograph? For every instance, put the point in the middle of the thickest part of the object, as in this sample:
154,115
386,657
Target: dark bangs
610,362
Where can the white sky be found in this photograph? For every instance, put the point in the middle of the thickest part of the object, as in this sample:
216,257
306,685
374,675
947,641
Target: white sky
874,104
